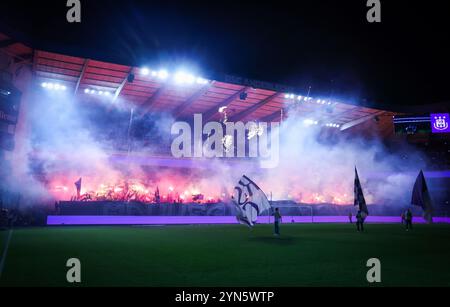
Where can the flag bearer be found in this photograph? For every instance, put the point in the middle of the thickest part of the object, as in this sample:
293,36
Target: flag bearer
408,219
277,220
359,221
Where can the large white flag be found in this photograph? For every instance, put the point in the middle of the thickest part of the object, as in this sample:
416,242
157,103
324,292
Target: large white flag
250,201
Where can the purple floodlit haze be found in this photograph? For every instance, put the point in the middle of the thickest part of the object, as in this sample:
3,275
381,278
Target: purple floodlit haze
180,220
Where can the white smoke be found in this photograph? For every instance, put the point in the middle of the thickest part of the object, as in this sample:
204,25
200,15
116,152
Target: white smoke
63,143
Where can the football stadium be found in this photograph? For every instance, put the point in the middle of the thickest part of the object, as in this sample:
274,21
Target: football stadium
162,176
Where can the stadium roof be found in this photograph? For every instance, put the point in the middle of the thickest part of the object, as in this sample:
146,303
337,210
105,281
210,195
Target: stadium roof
180,94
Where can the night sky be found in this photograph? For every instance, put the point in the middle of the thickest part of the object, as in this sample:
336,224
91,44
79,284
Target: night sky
328,45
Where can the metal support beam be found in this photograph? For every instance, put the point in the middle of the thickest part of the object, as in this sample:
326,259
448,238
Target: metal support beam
211,112
122,85
360,120
191,100
335,117
253,108
18,58
85,66
147,106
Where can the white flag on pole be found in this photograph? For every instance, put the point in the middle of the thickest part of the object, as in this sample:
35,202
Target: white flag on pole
250,201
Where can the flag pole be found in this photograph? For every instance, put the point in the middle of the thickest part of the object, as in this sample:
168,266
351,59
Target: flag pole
309,92
130,124
270,205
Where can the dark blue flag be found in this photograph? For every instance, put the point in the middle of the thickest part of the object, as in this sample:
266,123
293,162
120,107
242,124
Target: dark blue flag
421,197
157,197
359,196
78,186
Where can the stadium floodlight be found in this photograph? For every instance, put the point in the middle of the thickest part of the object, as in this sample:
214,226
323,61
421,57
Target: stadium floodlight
189,79
201,80
299,97
54,86
291,96
308,122
184,78
180,77
286,96
163,74
92,92
145,71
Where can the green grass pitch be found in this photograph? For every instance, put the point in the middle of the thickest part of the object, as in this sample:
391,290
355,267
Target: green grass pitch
228,255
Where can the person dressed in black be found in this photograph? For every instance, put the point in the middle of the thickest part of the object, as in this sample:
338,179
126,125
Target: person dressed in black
277,220
359,221
408,219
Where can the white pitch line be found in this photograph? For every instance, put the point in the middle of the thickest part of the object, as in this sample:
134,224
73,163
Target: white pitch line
5,252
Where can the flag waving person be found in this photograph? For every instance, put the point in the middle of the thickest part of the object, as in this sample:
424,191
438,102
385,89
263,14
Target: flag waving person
250,201
360,201
421,197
